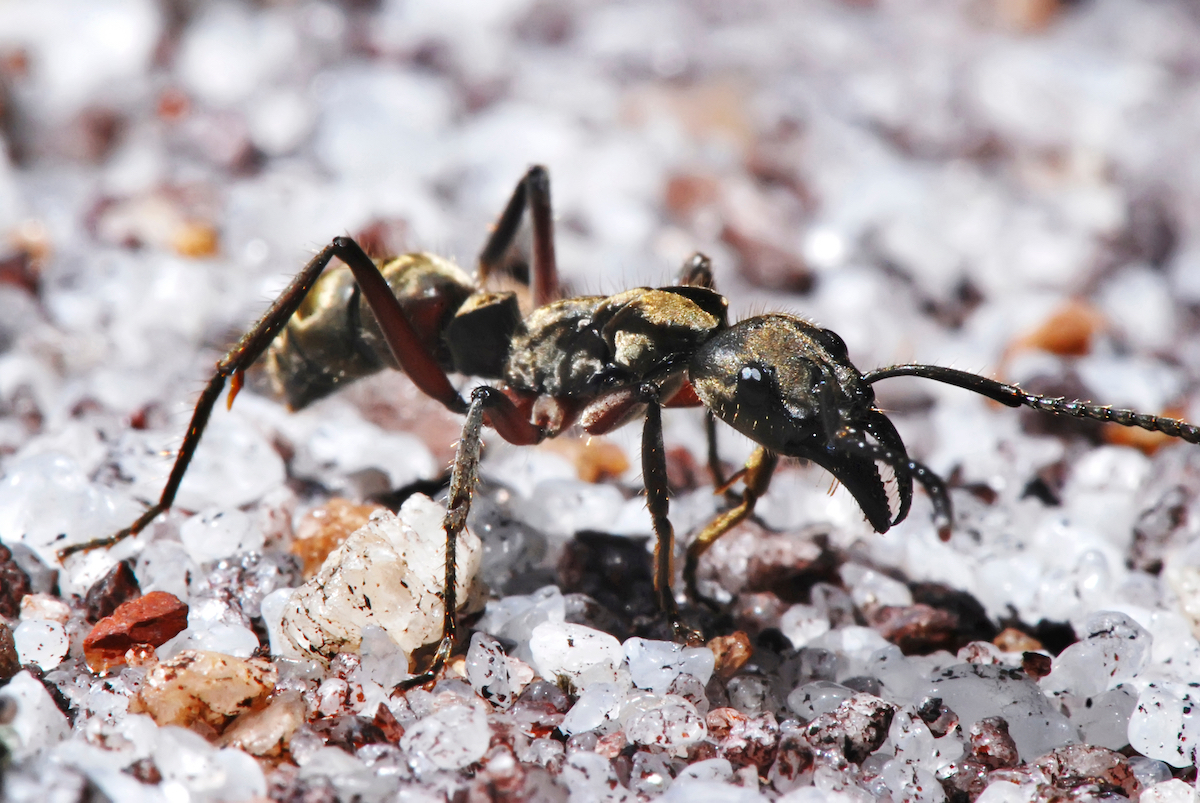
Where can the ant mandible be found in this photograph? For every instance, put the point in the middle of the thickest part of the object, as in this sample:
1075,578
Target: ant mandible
595,362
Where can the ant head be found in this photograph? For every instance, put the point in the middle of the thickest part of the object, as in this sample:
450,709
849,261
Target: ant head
790,386
781,381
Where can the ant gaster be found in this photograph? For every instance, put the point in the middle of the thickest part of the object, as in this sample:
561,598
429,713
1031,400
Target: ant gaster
595,362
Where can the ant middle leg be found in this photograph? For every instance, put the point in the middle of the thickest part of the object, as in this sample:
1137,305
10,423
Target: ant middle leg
654,475
533,193
757,478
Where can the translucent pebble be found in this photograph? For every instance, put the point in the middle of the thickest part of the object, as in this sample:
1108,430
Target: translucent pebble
591,777
41,642
803,623
165,566
1005,792
710,769
449,739
185,758
1113,650
911,782
564,507
222,637
818,697
216,533
382,660
672,724
487,670
1166,723
751,695
977,691
871,588
389,574
598,706
38,723
1172,791
1148,771
44,606
1104,719
651,773
913,740
655,665
514,618
578,653
272,608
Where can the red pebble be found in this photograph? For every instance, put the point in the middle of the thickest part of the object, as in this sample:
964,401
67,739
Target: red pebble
150,620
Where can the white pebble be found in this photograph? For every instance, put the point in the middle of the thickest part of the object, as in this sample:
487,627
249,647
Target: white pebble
41,642
450,738
38,724
671,722
803,623
655,665
579,653
389,574
216,533
1172,791
44,606
597,708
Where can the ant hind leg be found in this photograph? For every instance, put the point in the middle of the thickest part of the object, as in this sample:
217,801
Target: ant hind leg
533,193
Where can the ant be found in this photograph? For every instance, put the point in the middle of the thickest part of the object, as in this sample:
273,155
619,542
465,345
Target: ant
596,362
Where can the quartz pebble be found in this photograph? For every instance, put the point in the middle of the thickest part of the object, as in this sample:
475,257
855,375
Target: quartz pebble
41,642
576,653
153,619
449,738
387,574
655,665
266,731
204,687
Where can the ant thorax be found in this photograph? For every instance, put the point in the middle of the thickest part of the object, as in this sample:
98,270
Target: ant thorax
586,360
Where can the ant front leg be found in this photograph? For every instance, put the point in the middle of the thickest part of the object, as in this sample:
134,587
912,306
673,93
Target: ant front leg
757,477
532,193
464,476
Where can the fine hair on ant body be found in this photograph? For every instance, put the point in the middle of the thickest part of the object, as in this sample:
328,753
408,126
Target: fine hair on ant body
596,362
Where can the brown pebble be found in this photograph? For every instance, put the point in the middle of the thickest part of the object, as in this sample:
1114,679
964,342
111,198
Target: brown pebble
1012,640
1036,665
10,662
118,586
153,619
14,584
596,459
731,653
1068,332
323,529
991,744
856,728
1077,765
203,687
386,721
916,629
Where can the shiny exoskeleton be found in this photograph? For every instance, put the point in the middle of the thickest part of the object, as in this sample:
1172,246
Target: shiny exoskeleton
596,362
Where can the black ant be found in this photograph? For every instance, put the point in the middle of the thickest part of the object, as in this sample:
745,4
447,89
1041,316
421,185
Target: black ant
596,362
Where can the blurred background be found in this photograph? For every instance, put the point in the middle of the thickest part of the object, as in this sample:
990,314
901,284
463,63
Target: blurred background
1004,186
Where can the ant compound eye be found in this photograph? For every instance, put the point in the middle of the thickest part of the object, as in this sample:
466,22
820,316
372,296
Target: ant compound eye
833,343
754,378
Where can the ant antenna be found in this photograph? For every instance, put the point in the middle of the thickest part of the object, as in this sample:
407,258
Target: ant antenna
1013,396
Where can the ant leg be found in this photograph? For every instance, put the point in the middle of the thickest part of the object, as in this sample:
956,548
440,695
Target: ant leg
1013,396
414,359
654,475
714,457
533,190
697,272
757,476
233,364
462,482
